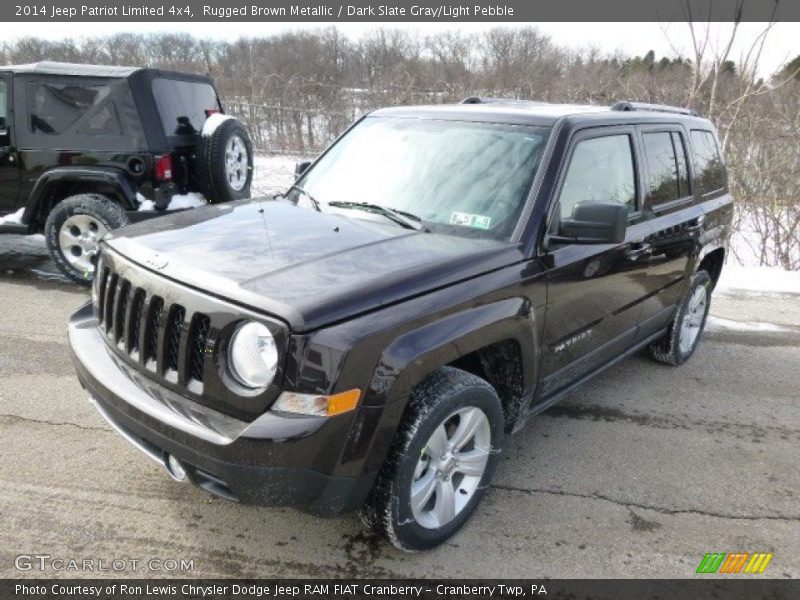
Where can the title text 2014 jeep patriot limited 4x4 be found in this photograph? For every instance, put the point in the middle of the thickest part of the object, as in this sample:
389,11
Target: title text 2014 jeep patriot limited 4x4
437,276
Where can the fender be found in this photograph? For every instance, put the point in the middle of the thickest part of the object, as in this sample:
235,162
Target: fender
417,353
109,180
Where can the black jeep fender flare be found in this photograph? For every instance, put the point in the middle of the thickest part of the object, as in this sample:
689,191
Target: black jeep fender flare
109,181
410,357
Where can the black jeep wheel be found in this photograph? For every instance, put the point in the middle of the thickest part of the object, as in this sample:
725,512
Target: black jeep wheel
442,460
680,341
225,163
74,228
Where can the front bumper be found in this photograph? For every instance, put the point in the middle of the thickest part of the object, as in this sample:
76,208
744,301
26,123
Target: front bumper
277,460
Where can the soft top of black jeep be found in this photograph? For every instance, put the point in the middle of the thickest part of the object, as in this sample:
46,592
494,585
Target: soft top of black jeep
58,68
528,112
47,67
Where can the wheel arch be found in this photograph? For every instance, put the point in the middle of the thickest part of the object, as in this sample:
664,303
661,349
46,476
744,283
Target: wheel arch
712,262
495,341
60,183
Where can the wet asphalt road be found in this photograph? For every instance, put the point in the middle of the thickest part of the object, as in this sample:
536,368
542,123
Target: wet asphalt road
636,475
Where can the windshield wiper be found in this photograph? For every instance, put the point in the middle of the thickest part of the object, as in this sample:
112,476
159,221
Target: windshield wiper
314,201
401,217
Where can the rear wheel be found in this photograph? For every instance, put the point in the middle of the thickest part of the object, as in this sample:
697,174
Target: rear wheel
441,463
73,230
680,341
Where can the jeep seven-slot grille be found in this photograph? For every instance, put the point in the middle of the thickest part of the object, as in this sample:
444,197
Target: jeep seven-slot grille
151,331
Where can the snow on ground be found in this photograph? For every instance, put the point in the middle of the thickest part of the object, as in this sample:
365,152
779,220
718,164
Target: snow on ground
764,280
14,218
274,173
751,326
189,200
178,201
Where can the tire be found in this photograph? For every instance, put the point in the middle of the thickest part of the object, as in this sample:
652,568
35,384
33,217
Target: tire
684,333
224,164
448,397
73,229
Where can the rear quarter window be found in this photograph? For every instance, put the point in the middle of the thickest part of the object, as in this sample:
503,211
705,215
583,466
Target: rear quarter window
707,161
183,105
54,107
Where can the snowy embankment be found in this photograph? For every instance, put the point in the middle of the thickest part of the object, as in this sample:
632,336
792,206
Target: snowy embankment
759,280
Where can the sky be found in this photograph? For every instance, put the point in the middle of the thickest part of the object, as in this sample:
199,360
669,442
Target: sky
782,45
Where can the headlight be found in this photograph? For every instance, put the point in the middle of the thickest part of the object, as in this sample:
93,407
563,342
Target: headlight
253,355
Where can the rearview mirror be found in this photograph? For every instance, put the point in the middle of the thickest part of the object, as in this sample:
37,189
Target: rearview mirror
594,223
301,168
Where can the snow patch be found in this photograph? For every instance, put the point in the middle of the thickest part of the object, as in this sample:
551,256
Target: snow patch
177,202
190,200
731,324
13,219
212,123
763,280
144,202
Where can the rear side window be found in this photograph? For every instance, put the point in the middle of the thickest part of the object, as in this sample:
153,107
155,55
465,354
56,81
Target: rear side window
53,108
667,172
2,104
601,170
183,104
707,161
104,121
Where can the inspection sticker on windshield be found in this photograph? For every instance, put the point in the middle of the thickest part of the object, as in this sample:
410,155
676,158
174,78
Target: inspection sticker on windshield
470,220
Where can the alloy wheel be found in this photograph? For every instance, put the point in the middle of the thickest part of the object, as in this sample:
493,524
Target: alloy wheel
450,467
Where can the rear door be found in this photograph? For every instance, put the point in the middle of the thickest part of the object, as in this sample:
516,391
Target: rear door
675,221
594,291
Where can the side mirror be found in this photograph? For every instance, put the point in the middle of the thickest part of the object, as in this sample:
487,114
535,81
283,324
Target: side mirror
594,223
301,168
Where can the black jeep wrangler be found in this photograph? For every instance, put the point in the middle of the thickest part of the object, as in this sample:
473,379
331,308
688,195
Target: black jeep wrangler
85,149
435,278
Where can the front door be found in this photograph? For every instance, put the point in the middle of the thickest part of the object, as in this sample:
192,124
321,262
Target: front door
595,291
9,171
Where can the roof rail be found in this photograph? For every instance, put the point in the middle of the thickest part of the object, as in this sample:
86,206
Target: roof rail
624,105
479,100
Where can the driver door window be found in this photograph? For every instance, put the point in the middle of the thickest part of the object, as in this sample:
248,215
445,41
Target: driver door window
601,170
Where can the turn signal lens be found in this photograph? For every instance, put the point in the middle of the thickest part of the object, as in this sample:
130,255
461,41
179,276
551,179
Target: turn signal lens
318,405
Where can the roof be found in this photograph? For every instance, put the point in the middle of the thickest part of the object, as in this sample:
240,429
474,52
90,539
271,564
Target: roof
59,68
529,112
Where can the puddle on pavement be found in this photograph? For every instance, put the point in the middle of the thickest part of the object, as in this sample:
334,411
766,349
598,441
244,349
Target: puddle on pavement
24,258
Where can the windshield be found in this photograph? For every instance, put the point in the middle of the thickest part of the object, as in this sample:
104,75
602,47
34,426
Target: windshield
454,176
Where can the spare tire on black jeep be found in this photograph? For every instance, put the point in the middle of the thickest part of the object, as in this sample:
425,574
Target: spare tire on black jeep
225,160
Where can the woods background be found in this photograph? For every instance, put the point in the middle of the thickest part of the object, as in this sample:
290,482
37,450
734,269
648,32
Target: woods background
296,91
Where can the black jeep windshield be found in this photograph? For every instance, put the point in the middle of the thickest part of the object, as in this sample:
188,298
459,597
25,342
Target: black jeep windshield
455,176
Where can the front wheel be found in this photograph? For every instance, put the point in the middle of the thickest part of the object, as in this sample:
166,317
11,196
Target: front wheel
442,461
680,341
73,230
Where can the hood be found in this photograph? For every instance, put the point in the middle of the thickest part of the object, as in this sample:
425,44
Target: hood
306,267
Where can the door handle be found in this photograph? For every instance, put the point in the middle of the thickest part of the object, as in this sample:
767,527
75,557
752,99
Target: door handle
637,251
